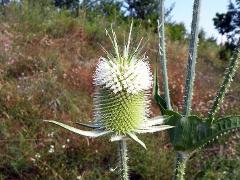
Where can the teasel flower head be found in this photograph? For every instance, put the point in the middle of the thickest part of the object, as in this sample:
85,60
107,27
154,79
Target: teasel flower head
122,83
122,92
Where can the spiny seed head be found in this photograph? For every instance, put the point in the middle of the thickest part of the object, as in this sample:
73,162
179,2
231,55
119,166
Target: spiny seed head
122,81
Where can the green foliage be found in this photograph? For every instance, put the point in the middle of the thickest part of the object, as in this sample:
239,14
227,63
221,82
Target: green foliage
146,11
176,32
143,9
110,9
155,163
228,23
226,51
208,49
68,4
31,18
221,167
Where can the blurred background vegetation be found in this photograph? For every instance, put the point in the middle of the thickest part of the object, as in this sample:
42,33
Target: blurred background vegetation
48,52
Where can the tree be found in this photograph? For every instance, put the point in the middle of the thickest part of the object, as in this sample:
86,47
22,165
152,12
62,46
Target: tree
229,23
145,9
108,8
69,4
4,2
176,31
141,8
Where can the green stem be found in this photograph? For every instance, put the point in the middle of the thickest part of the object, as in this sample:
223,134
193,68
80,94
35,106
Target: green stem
181,162
162,53
123,159
192,56
228,78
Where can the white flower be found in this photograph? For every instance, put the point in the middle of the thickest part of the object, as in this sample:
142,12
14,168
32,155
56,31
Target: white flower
50,134
37,156
51,150
132,77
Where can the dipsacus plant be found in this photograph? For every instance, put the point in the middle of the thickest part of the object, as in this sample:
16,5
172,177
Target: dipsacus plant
122,83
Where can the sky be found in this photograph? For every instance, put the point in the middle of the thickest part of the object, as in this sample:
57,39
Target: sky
182,12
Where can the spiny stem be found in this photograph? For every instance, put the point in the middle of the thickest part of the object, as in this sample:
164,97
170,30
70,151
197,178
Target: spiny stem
192,59
192,56
123,159
228,78
181,162
162,53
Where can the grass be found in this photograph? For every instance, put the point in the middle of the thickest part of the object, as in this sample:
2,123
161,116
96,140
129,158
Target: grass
45,73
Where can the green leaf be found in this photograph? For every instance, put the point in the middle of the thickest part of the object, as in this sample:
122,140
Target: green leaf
191,133
161,103
95,133
220,127
188,132
160,100
174,117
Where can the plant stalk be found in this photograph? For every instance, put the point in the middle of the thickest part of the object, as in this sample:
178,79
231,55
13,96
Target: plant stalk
228,78
162,53
192,56
123,159
181,162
